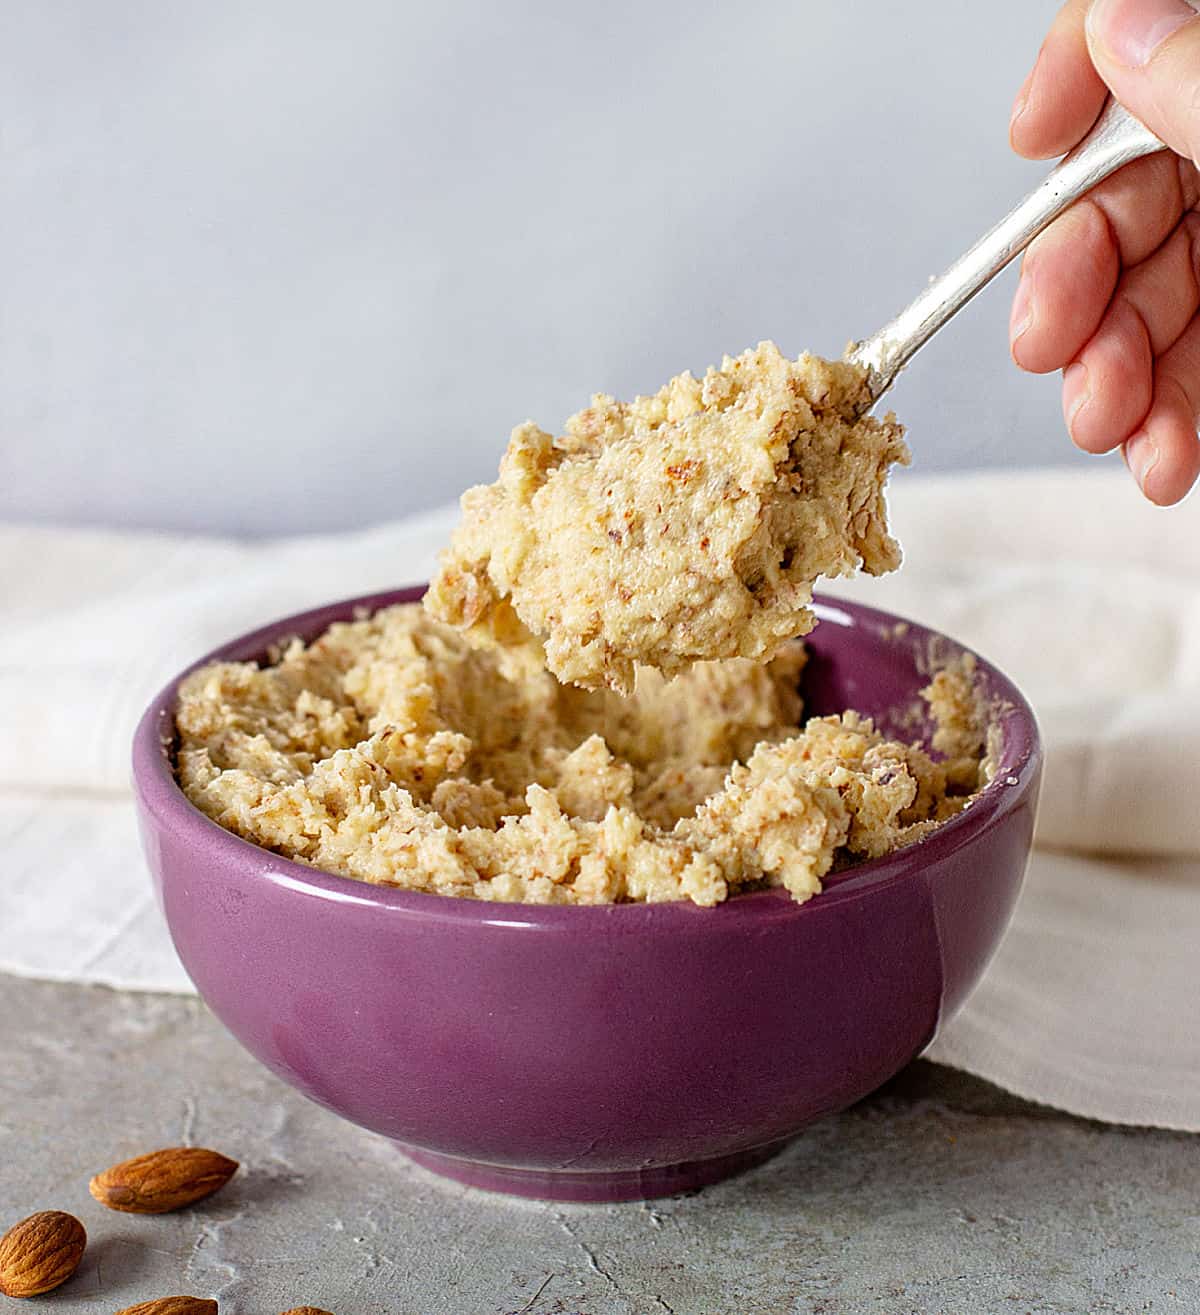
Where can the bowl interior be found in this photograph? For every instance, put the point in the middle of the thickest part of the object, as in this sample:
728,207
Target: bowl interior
859,658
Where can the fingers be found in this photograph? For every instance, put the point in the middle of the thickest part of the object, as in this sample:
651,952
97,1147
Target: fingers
1148,52
1107,389
1132,374
1070,271
1143,202
1165,290
1066,282
1062,95
1164,453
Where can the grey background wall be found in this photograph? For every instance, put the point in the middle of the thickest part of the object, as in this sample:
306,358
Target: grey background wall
295,264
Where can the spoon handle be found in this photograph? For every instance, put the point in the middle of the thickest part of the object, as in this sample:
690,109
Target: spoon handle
1115,139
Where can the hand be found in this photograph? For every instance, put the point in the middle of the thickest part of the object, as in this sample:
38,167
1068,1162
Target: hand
1109,293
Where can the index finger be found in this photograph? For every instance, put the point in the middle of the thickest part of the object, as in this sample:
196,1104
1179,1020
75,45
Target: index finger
1062,95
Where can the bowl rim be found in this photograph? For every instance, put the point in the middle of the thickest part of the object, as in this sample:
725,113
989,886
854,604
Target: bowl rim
162,800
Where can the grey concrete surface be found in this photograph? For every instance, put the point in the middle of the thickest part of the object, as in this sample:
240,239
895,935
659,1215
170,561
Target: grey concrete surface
291,265
939,1194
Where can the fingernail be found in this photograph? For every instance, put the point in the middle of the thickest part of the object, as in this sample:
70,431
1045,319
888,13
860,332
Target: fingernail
1141,456
1022,310
1130,31
1076,392
1021,104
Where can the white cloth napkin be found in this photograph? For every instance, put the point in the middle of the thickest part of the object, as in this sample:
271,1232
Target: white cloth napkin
1089,598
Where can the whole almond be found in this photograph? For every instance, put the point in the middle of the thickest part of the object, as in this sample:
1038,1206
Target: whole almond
40,1252
172,1306
163,1180
306,1310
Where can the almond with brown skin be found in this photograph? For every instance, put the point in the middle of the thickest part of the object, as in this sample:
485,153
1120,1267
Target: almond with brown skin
172,1306
163,1180
40,1252
306,1310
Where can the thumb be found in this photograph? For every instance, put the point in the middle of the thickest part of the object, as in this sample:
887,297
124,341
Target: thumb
1148,51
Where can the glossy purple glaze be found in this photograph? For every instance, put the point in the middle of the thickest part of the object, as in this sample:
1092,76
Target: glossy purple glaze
597,1053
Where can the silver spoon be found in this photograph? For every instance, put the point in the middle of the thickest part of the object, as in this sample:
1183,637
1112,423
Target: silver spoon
1115,139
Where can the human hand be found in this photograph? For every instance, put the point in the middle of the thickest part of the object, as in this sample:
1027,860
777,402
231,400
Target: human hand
1110,292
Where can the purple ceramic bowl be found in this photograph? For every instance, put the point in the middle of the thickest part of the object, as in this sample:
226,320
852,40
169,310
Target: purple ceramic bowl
597,1053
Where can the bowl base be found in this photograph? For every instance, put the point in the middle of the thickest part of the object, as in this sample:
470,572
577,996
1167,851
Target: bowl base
604,1186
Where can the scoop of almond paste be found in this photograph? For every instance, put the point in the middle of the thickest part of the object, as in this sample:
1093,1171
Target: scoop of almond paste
686,526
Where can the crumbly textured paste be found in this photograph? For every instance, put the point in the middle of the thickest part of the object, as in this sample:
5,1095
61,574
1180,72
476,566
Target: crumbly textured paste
685,526
395,751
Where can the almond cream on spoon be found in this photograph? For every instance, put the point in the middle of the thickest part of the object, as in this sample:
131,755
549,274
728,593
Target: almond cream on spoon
693,524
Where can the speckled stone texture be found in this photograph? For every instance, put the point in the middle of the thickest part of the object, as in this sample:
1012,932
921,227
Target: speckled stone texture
940,1194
